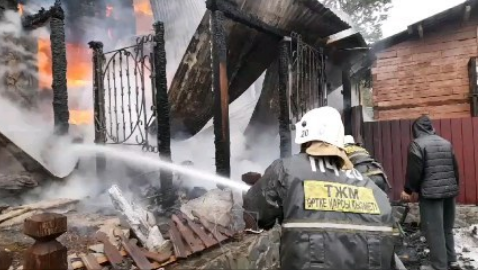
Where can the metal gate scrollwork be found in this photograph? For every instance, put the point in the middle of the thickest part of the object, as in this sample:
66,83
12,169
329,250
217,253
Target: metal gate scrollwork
307,88
128,78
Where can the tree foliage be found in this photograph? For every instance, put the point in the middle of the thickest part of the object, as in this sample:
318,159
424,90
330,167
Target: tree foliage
367,15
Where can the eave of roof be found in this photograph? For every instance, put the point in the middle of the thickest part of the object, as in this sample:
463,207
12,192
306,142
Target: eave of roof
450,15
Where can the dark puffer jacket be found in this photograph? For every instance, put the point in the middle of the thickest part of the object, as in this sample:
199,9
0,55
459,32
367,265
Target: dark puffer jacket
331,219
432,169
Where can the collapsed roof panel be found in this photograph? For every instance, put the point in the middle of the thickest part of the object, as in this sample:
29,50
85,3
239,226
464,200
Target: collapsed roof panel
250,52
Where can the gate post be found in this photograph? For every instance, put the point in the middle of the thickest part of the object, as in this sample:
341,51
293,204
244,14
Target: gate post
99,102
59,66
220,86
162,115
284,119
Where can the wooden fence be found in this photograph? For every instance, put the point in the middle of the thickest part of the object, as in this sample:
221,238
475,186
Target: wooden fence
388,141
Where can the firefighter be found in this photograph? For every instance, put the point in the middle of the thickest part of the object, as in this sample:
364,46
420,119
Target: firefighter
365,163
331,216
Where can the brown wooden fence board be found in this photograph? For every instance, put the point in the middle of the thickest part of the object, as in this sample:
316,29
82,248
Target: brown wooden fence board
456,140
386,144
388,141
475,152
377,141
368,140
468,160
397,164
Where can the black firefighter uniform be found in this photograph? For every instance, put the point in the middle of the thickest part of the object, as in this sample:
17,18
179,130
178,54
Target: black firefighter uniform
330,218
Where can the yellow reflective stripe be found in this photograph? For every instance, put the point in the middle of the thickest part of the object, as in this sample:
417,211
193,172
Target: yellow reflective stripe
319,225
373,172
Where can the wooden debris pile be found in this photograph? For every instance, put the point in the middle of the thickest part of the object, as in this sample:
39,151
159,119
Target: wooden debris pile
187,237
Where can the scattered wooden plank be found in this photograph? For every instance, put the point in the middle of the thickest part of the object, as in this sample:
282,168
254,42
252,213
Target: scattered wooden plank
180,249
226,231
137,255
90,261
13,213
194,243
111,252
158,257
205,237
215,232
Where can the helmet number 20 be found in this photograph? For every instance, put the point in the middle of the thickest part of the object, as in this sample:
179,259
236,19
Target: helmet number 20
305,133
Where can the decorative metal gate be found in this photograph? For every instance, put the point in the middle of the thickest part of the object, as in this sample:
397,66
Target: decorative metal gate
307,88
129,94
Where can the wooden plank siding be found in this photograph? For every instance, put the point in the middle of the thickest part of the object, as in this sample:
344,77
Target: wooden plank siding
426,75
388,142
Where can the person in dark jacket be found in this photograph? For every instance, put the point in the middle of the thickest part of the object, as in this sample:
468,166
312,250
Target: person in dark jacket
331,216
432,174
365,163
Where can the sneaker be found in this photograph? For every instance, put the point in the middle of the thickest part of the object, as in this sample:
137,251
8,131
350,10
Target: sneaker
454,265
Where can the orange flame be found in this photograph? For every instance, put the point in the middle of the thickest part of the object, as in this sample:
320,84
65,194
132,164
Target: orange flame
144,7
20,9
81,117
109,11
79,71
144,16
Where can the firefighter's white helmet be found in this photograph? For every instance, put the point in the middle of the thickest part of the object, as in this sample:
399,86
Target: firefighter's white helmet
348,139
321,124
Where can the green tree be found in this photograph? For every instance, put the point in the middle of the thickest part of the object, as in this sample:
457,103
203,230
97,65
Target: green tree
367,15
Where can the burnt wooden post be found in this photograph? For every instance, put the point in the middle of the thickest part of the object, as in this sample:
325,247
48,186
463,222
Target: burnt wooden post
46,253
347,99
284,120
162,115
59,66
220,87
472,75
99,102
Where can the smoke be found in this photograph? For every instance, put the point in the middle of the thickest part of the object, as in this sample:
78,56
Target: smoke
31,128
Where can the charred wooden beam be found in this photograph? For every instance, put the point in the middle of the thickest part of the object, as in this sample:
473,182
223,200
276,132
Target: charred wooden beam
347,99
472,74
99,102
59,67
221,94
37,20
232,12
46,253
162,115
284,118
467,13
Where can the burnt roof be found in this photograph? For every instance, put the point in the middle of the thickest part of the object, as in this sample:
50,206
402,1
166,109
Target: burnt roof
451,15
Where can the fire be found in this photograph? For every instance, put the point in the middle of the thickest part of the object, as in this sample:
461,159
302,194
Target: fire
81,117
20,9
143,7
79,72
109,11
144,16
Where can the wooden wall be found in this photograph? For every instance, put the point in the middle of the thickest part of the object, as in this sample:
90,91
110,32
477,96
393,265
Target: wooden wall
426,76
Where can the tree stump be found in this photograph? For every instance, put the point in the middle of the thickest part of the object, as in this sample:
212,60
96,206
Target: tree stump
46,253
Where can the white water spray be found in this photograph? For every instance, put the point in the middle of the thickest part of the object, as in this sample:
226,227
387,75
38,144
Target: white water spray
138,158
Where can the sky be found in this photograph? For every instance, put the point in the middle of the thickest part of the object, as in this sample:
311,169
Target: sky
406,12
